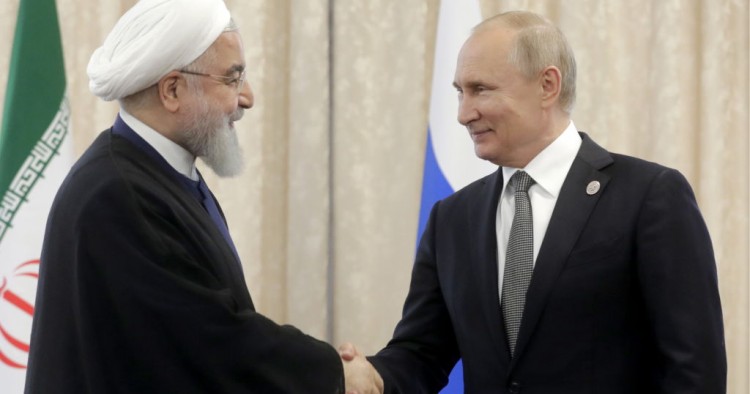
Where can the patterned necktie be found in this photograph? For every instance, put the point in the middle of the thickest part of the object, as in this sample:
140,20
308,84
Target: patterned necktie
519,261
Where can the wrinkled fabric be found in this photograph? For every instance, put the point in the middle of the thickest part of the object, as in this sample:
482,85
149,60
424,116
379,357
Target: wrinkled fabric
152,39
139,293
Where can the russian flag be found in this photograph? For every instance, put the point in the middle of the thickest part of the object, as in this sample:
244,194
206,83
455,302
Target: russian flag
450,162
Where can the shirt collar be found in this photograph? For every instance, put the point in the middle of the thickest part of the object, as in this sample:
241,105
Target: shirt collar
177,157
550,167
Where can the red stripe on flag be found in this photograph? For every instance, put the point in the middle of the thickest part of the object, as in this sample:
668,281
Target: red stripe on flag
17,343
5,360
30,262
18,302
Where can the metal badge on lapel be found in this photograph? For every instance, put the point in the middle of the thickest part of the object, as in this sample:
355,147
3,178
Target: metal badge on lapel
592,188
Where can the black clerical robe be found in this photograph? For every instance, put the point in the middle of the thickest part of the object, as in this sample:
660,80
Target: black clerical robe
139,293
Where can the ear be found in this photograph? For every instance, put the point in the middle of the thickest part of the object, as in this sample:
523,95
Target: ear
551,83
170,89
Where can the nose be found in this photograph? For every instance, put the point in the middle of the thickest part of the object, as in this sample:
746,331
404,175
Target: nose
467,112
246,99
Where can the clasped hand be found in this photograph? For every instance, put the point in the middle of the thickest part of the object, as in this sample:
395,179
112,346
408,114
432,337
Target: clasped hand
361,377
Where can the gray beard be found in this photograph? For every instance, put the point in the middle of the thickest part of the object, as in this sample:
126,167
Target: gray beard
211,138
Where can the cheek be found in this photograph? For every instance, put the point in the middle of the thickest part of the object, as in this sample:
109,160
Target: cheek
500,116
512,115
497,107
223,104
230,106
509,125
221,108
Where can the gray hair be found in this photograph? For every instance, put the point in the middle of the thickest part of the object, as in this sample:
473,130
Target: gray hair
539,44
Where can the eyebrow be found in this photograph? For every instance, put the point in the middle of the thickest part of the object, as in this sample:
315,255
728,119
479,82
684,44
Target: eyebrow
236,68
472,85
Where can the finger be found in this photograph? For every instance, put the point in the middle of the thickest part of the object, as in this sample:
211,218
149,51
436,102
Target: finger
347,351
347,356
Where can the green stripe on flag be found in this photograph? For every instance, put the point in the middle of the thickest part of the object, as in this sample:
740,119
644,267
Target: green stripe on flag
36,85
36,113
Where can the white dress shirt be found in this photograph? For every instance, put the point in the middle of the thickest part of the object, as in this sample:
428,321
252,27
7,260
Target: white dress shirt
548,169
177,157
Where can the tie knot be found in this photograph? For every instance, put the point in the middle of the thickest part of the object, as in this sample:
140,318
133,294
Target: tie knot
522,181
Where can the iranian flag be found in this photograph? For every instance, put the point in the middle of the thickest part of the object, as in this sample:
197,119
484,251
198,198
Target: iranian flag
35,156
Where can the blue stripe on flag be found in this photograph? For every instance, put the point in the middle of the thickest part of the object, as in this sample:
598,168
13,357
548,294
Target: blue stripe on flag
434,188
434,185
450,163
455,381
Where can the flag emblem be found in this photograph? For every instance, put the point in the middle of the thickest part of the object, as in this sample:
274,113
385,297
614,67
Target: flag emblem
36,153
16,310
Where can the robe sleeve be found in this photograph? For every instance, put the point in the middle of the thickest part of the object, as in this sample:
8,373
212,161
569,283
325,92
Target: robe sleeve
154,311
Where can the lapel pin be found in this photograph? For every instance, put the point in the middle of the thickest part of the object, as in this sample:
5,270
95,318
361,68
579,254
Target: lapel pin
593,188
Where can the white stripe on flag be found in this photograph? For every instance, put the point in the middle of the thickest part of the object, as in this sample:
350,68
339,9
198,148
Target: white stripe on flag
453,147
21,246
450,158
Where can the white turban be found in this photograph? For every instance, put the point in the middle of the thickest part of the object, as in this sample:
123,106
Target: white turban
152,39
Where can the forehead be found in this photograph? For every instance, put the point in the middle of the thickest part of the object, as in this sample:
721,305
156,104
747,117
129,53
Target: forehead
228,49
485,51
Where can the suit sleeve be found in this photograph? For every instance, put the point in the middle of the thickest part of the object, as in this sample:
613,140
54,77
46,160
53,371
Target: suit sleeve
678,276
423,350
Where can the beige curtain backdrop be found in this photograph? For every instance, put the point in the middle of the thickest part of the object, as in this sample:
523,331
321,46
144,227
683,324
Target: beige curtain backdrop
325,215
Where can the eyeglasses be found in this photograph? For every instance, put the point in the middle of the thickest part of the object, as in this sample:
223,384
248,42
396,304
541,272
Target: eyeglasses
236,82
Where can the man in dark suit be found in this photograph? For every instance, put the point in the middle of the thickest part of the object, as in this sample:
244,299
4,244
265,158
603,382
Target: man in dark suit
141,289
591,273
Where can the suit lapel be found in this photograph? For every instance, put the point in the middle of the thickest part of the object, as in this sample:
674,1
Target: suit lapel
484,257
572,210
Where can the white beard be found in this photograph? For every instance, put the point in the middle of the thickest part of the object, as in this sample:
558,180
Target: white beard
211,138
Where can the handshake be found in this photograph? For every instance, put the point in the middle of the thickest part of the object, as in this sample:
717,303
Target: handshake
361,377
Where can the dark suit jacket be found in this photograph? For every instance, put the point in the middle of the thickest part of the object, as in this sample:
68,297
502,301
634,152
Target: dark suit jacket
140,293
623,298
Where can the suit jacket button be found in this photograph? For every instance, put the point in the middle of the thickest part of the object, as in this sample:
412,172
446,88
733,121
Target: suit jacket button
514,387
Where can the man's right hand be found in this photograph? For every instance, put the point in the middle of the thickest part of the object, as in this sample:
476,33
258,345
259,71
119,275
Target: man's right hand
361,377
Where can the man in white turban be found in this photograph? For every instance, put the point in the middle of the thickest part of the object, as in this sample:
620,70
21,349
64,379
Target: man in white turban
141,289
